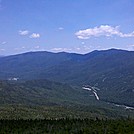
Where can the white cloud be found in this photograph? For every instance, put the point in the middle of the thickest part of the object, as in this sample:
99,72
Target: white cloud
61,28
2,49
75,49
86,47
23,47
103,30
34,35
24,32
82,43
3,43
56,49
61,49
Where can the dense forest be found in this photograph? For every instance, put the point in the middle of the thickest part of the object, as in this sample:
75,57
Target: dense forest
67,126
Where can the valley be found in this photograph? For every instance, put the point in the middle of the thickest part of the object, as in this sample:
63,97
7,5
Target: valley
95,81
66,67
94,91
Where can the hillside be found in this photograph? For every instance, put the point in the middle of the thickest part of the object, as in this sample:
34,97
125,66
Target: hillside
110,71
37,99
37,92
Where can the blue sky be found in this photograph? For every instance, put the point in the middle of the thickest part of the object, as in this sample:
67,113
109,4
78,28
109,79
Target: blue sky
79,26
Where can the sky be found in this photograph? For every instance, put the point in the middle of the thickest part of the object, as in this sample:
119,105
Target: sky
78,26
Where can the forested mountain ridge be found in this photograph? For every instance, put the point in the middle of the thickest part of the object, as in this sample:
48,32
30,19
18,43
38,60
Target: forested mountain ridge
67,67
111,71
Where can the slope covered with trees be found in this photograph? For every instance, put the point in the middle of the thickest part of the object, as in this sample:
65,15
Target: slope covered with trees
67,126
110,71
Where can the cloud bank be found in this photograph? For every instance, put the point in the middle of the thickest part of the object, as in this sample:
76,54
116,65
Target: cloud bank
103,30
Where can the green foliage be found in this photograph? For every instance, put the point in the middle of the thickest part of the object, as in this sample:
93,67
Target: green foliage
47,99
67,126
41,92
57,112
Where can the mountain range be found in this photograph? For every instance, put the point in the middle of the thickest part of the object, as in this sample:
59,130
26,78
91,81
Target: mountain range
47,78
